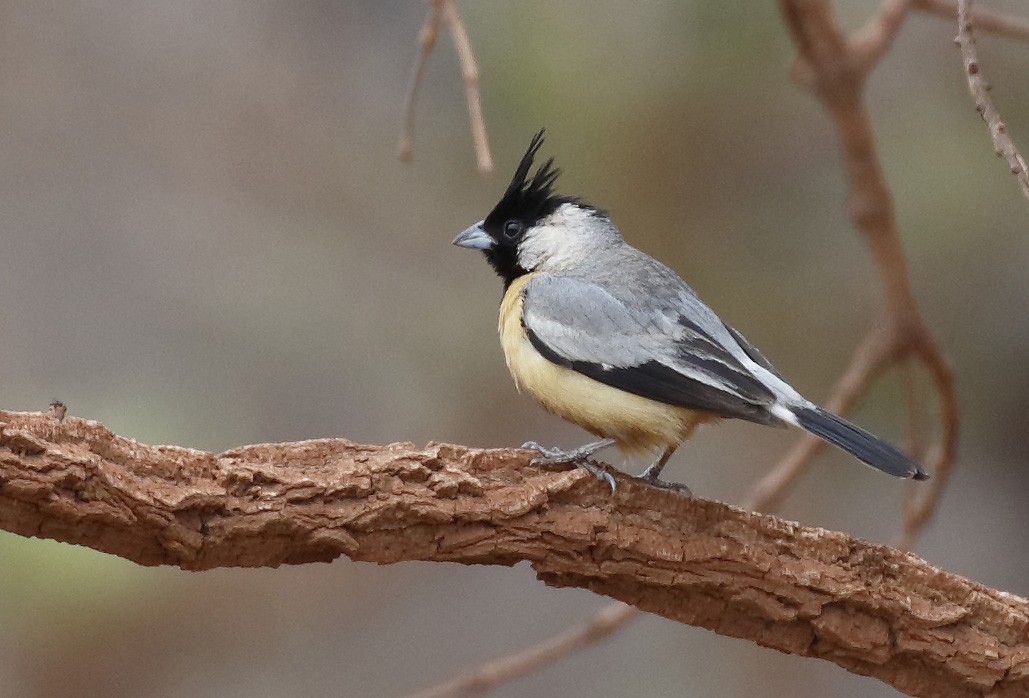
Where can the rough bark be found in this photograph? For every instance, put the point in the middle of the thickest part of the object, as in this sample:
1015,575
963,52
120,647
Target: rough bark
869,608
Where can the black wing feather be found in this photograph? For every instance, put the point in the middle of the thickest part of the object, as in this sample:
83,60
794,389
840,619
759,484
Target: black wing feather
751,351
656,381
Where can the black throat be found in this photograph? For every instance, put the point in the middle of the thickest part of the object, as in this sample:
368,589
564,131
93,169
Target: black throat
504,260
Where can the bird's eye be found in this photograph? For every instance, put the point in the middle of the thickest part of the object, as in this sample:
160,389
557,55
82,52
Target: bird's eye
512,229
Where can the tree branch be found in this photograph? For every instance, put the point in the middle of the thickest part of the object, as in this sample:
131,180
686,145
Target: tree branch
835,68
426,41
447,11
979,88
488,676
470,75
869,608
871,42
1014,27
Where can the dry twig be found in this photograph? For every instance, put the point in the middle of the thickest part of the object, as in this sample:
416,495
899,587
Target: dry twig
470,74
484,678
871,42
447,10
836,69
870,609
979,87
1014,27
427,41
490,675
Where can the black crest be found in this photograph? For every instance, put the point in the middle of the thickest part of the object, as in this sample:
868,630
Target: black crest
528,200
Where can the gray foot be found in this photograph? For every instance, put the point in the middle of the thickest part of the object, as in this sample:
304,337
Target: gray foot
665,485
579,457
653,471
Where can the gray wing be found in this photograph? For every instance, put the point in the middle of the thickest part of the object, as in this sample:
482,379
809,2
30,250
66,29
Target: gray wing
670,352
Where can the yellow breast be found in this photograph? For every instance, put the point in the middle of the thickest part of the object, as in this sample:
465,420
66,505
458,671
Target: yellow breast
636,423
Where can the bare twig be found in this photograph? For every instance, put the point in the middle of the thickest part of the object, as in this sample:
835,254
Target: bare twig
446,10
915,407
488,676
836,69
427,40
979,87
470,74
872,41
868,608
869,359
919,510
1002,25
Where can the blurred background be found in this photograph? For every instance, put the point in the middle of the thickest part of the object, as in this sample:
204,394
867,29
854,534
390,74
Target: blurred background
207,240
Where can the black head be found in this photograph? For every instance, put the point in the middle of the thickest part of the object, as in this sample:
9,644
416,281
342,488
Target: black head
525,203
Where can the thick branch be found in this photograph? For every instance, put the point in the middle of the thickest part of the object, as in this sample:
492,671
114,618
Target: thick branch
868,608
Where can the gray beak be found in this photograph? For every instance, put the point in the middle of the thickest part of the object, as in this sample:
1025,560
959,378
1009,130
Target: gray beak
474,237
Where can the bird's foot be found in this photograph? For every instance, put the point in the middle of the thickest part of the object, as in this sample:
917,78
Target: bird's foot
552,456
654,470
579,457
665,485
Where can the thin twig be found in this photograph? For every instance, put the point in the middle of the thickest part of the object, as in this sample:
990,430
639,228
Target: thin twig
488,676
1002,25
427,40
863,49
918,511
446,10
979,87
869,359
470,74
871,42
837,78
914,405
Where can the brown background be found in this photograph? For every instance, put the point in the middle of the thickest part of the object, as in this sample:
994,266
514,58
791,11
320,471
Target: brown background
206,240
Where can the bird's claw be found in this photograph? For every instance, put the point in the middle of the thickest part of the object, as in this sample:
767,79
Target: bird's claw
554,456
547,452
597,471
665,485
579,457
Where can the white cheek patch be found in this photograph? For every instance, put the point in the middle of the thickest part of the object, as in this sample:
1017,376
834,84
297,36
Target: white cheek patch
537,247
550,248
564,239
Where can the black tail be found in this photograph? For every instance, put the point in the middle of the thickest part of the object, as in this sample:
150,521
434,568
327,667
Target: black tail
858,442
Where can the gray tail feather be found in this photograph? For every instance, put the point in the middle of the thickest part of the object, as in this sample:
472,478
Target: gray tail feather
858,442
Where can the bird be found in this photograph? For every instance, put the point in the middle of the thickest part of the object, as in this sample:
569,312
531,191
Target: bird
614,341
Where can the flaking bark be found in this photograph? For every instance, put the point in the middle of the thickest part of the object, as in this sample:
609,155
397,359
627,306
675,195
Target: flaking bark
869,608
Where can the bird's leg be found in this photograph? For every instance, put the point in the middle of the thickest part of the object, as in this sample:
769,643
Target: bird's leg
655,468
578,457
